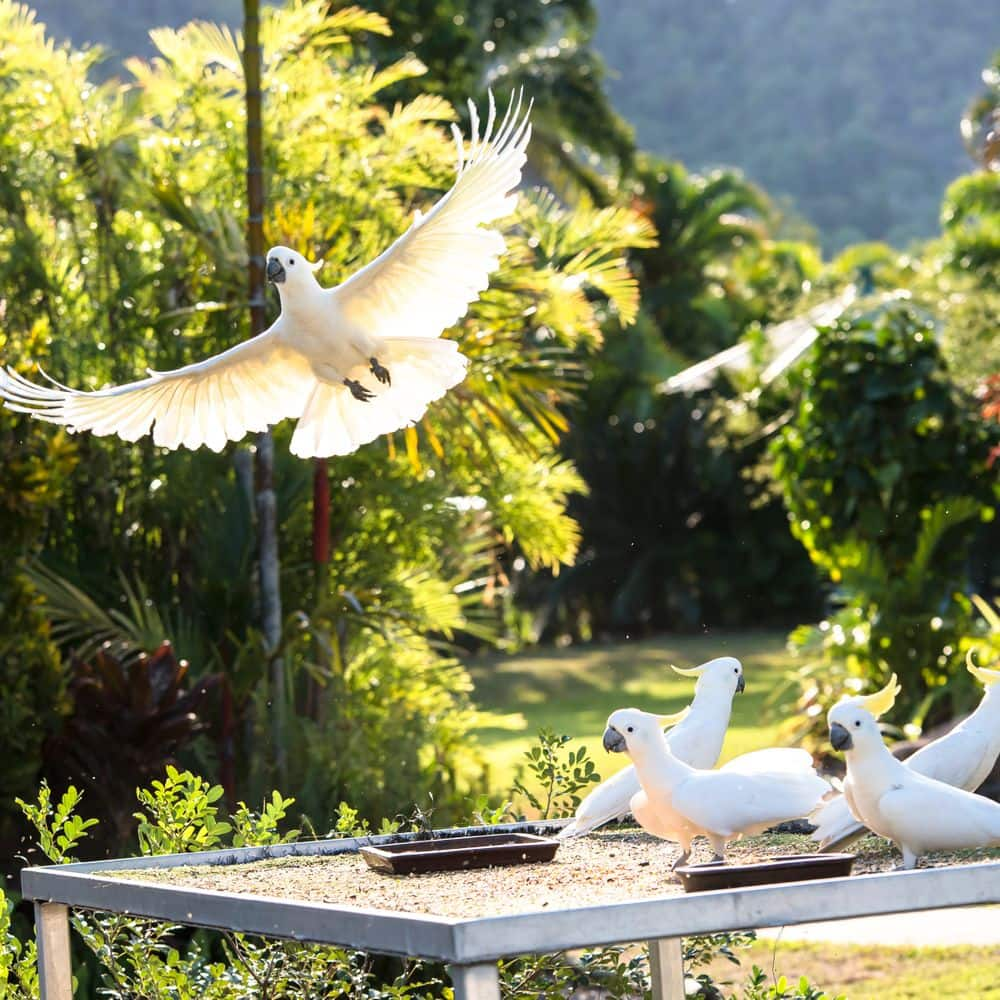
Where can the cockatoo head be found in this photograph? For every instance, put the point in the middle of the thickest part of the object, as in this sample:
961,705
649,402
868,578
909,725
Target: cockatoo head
290,269
724,673
630,730
853,721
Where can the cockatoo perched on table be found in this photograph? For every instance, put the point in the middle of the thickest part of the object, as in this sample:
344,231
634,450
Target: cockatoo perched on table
962,757
697,740
678,802
917,813
349,363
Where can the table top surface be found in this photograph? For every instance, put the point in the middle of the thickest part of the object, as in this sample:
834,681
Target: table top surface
487,936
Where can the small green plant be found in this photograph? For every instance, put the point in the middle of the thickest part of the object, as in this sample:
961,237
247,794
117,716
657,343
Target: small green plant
60,829
260,829
758,988
487,815
18,968
182,815
560,778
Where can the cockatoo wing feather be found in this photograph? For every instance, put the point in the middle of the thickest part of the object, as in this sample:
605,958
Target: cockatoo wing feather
426,280
246,388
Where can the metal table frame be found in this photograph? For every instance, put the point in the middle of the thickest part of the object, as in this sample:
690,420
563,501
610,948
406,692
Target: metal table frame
471,947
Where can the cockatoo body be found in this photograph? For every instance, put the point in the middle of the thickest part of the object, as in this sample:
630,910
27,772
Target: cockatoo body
349,363
918,814
697,741
963,757
678,802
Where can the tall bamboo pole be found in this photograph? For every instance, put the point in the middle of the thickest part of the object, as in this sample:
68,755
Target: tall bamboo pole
266,502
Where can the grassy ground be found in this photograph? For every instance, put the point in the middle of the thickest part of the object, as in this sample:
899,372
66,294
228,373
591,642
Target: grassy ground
874,972
574,690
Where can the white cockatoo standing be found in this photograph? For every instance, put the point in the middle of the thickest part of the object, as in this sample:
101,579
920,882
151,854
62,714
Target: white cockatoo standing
349,363
697,741
678,802
962,757
918,814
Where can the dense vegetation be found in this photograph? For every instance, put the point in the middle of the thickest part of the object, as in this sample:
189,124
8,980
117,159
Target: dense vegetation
848,109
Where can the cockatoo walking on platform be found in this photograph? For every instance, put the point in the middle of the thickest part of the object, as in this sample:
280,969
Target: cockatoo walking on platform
697,741
962,757
678,802
349,363
918,814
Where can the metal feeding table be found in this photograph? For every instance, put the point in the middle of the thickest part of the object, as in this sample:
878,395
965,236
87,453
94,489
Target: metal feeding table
472,946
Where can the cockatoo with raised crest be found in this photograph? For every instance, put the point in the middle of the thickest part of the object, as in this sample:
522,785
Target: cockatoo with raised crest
917,813
963,757
697,741
349,363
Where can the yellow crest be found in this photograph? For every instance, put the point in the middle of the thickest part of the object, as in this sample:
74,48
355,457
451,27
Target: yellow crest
672,720
985,676
687,671
880,702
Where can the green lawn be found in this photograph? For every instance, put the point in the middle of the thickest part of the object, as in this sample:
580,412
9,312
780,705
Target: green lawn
574,690
875,972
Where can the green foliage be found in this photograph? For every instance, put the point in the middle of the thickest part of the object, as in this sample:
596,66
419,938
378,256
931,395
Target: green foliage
758,988
557,775
18,960
59,828
260,829
970,219
676,486
874,442
868,466
181,815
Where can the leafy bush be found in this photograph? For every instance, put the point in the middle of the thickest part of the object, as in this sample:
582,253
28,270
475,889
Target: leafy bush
883,469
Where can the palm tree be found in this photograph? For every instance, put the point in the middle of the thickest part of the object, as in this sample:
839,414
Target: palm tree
703,222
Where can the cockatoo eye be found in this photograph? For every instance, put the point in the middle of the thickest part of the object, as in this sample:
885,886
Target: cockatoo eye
629,729
291,263
857,723
736,670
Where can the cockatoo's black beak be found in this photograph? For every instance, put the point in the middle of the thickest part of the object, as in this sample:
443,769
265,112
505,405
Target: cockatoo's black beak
614,742
275,271
840,738
741,685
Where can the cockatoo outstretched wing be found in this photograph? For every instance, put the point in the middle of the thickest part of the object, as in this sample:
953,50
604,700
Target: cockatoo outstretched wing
247,388
425,281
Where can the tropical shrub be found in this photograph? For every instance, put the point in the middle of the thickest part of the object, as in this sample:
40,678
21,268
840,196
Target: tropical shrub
883,469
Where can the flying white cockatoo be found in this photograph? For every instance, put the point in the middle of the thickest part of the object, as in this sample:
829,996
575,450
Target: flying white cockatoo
678,802
697,741
962,757
349,363
918,814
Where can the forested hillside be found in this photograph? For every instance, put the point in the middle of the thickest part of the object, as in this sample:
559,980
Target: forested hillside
851,108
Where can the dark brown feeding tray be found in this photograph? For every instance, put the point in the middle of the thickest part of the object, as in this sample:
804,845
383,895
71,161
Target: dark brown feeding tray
493,850
791,868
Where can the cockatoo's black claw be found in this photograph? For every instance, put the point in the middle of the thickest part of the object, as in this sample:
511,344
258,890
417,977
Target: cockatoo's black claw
380,372
358,391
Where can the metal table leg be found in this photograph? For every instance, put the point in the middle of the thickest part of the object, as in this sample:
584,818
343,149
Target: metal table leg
55,971
476,982
666,969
